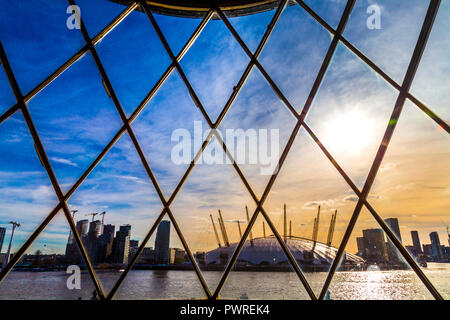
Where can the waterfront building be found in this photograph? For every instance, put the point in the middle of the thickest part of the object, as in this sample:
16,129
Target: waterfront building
392,251
121,244
105,244
162,242
416,242
375,246
436,245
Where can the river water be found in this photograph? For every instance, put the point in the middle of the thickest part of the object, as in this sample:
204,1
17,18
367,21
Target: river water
149,284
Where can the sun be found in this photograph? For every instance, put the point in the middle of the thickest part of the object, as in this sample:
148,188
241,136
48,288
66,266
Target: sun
349,132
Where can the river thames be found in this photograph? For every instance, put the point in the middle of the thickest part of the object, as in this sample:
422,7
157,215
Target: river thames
151,284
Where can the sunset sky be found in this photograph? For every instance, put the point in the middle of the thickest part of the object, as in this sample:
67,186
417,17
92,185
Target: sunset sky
76,119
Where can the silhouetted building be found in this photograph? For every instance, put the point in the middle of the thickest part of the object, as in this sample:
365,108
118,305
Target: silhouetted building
92,240
147,256
162,242
121,244
361,246
417,248
2,237
427,249
391,249
105,244
82,227
436,245
375,247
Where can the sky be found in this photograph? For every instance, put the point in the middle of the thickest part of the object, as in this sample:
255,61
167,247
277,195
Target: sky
75,119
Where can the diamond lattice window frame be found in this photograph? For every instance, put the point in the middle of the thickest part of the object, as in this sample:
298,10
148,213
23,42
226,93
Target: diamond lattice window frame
223,11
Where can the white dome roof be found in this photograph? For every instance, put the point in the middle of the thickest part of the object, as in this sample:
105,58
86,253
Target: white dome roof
269,250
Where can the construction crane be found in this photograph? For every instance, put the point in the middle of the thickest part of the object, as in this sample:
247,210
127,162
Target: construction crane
248,222
92,214
215,231
316,228
14,226
103,221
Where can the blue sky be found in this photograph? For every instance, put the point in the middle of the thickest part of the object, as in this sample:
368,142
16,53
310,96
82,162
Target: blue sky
76,119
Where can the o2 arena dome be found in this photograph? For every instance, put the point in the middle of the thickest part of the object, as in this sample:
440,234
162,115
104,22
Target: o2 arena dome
267,251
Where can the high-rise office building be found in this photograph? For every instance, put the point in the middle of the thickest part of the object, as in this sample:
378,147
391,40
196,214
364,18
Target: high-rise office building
393,254
2,237
394,226
82,227
121,244
361,246
436,245
105,244
162,242
92,240
416,242
375,246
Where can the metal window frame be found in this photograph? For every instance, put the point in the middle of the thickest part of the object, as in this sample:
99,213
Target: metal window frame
338,37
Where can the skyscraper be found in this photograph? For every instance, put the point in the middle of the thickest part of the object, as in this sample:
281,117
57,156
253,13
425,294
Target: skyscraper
105,244
162,242
82,227
436,245
121,244
391,249
416,242
2,237
361,246
395,227
375,246
92,240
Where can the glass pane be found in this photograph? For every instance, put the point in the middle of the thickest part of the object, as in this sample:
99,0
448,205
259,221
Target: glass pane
117,205
213,185
96,15
351,112
293,58
46,272
329,10
214,65
256,130
163,270
134,59
7,99
379,277
36,38
176,30
251,28
170,131
307,196
74,125
26,194
263,271
412,186
387,23
431,81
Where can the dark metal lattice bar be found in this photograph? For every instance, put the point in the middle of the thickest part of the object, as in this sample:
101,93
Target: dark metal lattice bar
414,63
46,163
426,29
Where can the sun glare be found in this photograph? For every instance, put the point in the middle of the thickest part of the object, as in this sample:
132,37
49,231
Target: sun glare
349,132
